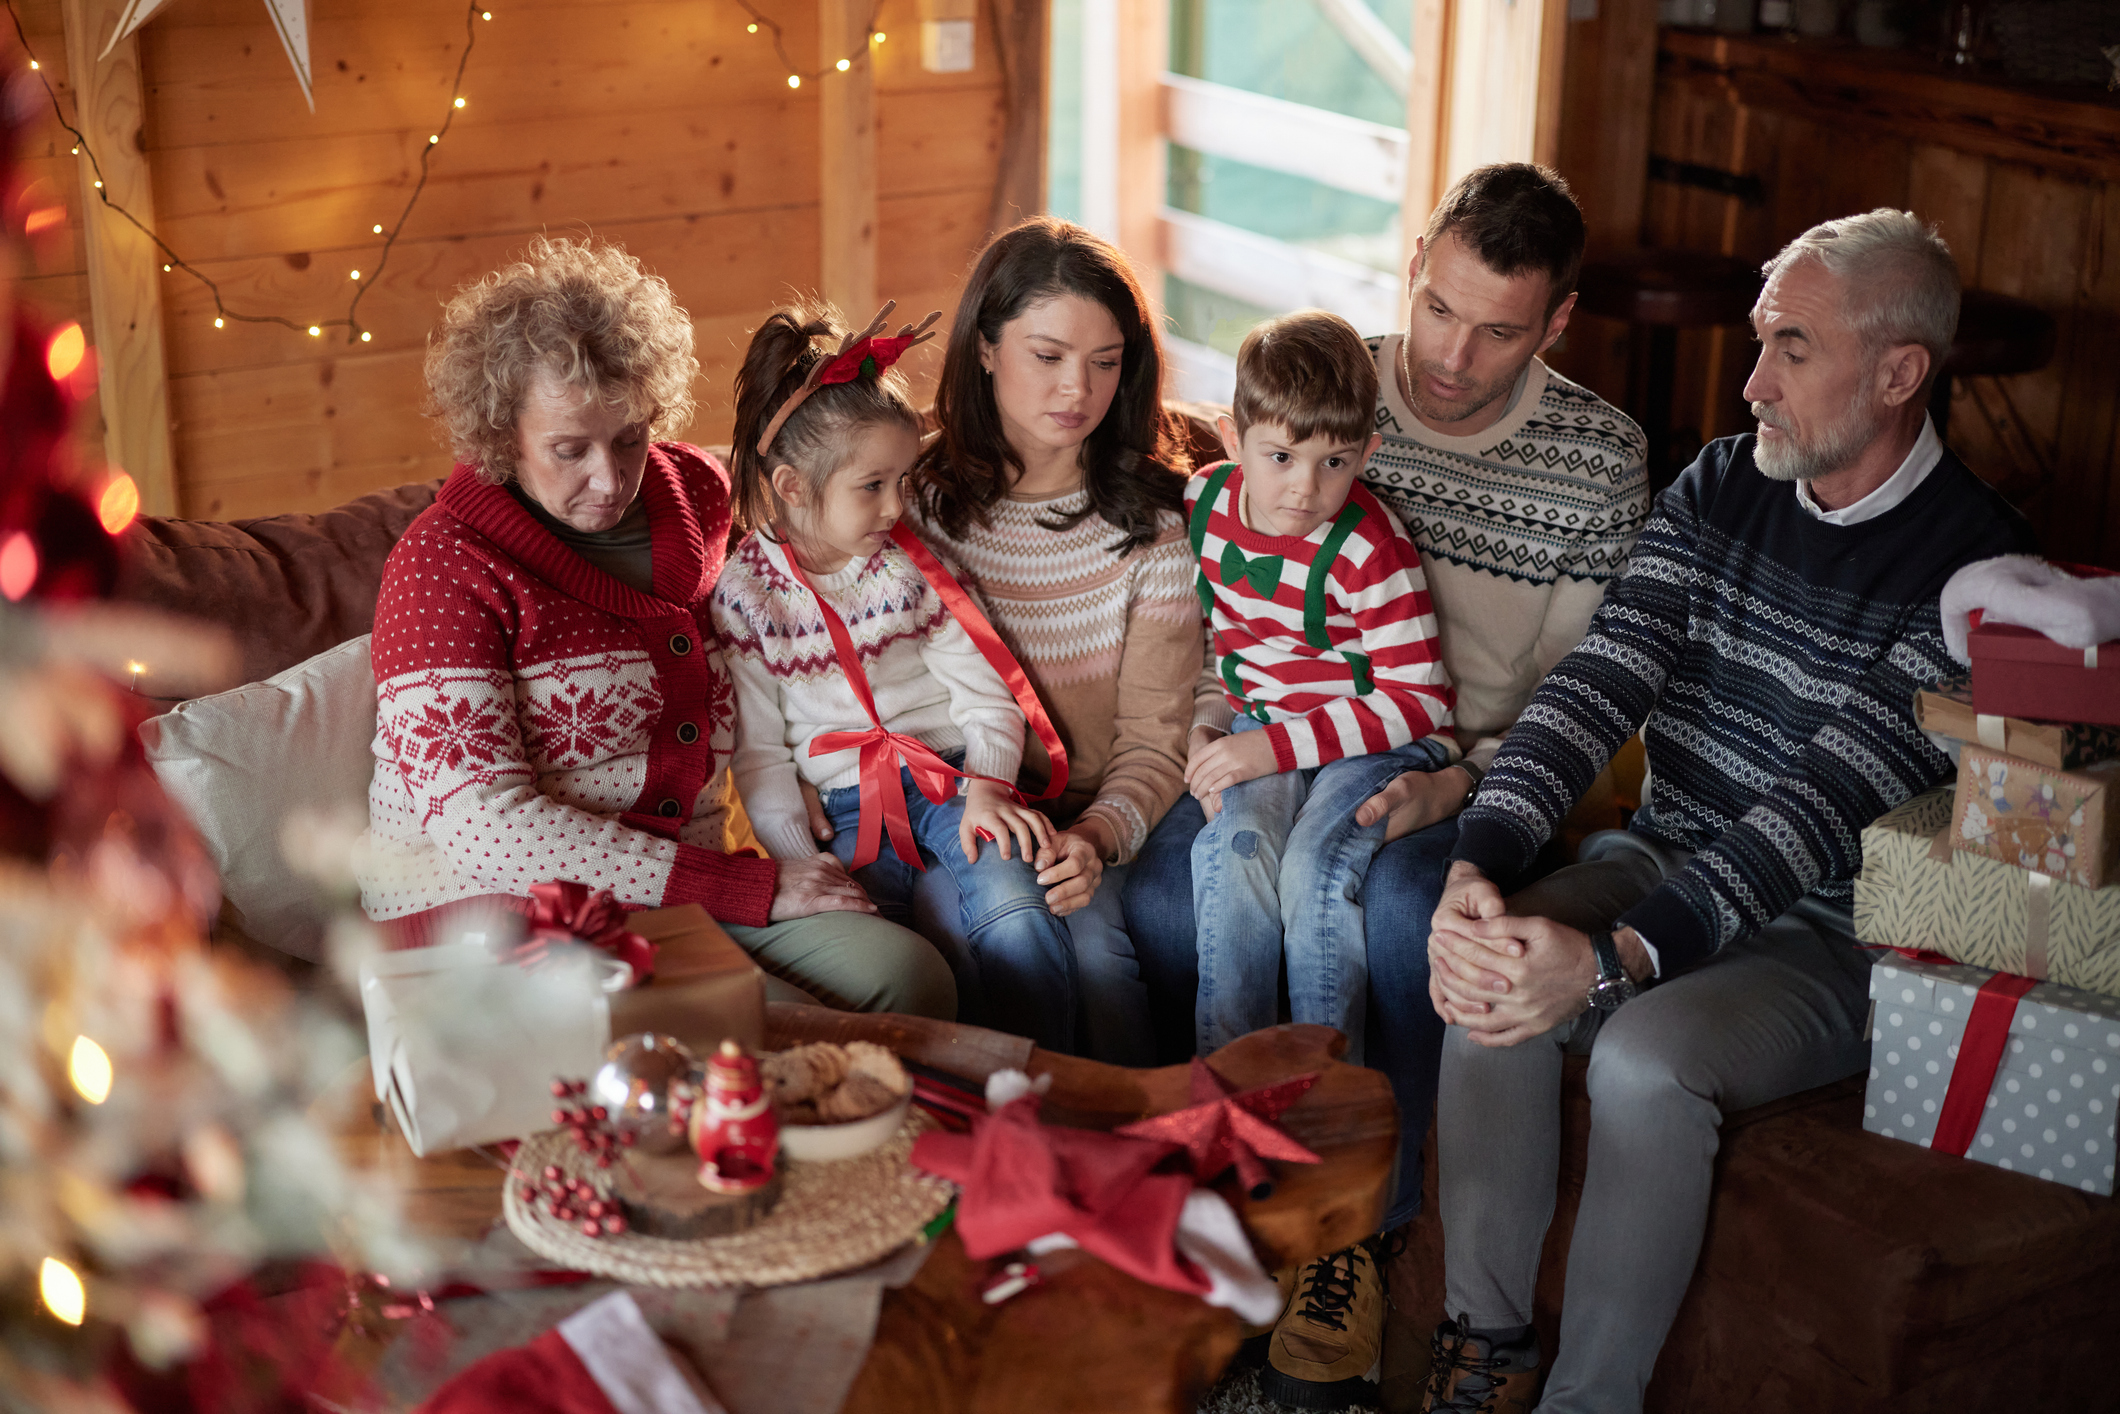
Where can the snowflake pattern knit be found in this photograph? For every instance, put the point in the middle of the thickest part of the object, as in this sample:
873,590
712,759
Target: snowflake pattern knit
538,720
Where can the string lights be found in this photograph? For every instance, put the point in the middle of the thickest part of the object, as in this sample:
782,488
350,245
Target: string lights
796,74
473,16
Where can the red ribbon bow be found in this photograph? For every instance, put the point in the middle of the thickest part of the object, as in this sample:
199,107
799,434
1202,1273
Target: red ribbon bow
576,913
1987,1033
883,808
847,367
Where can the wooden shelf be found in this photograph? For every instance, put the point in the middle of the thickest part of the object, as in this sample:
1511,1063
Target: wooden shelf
2072,129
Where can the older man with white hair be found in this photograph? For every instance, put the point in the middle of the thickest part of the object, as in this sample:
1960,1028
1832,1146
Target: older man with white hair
1770,631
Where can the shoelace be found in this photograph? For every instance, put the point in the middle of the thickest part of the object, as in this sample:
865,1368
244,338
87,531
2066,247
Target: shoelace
1329,1288
1459,1353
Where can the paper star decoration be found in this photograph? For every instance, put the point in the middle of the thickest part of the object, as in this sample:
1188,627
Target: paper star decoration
290,20
1220,1129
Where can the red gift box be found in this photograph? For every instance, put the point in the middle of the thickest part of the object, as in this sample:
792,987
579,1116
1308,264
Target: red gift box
2020,672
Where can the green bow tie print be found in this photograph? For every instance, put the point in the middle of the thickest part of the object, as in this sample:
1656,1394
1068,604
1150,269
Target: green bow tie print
1264,571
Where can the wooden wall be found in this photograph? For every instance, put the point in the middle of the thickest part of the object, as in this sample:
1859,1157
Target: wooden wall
2025,185
659,124
54,273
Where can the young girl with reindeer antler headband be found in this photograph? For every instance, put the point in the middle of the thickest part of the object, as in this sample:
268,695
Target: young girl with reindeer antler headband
853,650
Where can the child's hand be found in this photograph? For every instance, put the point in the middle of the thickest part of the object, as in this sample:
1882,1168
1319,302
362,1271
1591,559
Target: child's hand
1227,761
988,807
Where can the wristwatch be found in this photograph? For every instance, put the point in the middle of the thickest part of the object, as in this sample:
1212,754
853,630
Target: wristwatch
1476,774
1612,986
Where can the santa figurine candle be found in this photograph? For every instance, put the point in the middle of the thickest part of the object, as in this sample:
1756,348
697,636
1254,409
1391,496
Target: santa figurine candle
734,1130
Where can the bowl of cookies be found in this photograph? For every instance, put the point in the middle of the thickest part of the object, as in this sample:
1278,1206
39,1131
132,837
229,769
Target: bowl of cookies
834,1101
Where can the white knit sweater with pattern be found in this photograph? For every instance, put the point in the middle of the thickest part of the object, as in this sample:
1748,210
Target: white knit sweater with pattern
928,678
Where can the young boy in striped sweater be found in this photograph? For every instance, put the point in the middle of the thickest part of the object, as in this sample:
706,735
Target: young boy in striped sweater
1325,644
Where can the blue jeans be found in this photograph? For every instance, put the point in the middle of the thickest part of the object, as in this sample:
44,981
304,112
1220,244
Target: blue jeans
1135,1009
1404,884
1158,903
1405,1034
1023,957
1280,871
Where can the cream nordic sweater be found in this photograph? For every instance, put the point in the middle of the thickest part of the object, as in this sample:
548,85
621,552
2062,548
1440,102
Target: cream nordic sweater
1112,643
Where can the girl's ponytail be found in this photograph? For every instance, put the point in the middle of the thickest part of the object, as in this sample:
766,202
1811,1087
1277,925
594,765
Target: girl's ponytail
774,366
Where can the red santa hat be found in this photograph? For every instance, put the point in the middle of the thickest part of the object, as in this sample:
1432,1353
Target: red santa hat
603,1359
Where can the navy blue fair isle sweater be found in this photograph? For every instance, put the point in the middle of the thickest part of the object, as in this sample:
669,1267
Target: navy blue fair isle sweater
1774,659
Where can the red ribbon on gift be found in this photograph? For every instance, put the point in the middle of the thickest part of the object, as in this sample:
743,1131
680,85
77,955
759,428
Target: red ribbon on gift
1987,1032
883,808
576,913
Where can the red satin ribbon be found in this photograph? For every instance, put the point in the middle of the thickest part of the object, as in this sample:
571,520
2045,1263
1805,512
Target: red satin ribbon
1987,1032
576,913
883,808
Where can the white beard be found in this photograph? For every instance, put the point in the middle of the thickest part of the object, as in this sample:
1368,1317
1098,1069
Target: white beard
1832,448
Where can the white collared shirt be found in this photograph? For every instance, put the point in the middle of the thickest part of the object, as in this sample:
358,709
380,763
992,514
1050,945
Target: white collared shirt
1923,459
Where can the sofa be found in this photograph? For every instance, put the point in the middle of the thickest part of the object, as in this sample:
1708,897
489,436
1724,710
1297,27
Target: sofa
1841,1270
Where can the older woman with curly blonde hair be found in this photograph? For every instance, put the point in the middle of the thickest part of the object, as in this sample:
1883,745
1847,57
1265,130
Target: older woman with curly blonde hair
551,698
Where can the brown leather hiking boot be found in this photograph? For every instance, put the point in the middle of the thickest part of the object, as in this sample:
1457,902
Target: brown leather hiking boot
1327,1343
1470,1375
1286,1280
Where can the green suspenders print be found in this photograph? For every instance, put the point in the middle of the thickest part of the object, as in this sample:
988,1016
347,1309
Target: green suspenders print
1313,592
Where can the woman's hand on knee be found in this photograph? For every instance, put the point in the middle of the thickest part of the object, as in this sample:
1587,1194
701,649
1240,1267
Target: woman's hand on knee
820,823
989,807
1072,863
819,884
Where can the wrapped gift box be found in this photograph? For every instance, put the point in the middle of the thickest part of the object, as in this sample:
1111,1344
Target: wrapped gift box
2020,672
2063,823
705,990
2050,1109
465,1043
1946,708
1980,910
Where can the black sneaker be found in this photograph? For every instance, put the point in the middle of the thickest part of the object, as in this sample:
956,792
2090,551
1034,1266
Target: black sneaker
1470,1374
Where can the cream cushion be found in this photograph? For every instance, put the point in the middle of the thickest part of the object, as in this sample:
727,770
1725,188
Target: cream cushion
242,763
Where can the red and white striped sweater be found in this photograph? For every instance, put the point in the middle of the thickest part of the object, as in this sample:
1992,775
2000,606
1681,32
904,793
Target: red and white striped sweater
1328,638
539,720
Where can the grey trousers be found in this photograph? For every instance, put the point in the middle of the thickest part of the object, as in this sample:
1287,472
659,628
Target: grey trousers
1780,1012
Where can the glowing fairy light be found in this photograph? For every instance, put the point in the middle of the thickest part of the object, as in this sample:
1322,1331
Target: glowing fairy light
794,80
65,352
844,64
18,565
88,1068
118,504
63,1294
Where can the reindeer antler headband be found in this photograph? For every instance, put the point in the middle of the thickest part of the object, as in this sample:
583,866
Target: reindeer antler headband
857,352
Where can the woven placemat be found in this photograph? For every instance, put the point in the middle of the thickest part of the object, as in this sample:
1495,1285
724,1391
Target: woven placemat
830,1218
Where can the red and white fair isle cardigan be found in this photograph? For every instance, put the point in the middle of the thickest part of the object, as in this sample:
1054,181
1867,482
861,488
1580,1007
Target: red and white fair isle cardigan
539,720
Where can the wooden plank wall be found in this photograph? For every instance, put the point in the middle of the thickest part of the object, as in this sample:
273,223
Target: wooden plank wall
2046,232
660,124
54,278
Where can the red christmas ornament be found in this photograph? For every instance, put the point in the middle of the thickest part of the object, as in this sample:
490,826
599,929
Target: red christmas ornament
1220,1129
734,1130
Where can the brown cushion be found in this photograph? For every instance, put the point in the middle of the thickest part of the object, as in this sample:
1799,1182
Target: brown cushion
287,587
1851,1272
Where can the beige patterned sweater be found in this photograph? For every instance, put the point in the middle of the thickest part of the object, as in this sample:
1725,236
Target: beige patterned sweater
1112,644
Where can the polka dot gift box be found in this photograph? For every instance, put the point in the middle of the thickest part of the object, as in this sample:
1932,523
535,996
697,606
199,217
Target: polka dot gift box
2050,1108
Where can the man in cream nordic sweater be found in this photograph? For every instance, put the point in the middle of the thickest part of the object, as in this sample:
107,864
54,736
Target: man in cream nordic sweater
1524,493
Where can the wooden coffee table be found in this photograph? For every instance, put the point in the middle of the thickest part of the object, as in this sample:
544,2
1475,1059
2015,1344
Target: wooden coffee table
1090,1337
